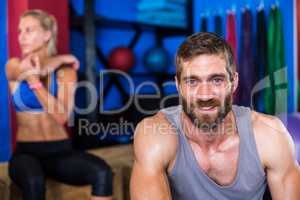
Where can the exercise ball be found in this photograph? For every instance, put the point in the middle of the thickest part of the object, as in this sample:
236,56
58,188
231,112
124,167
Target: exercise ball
156,59
121,58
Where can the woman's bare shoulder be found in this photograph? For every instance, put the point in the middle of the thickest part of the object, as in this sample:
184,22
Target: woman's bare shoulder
11,62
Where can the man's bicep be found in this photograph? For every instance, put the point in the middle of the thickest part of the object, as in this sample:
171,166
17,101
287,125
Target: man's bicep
148,183
283,170
285,186
149,180
292,184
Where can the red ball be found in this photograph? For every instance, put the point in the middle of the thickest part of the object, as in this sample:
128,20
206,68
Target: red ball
121,58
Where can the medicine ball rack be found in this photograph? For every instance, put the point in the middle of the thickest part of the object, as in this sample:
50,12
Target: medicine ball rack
87,24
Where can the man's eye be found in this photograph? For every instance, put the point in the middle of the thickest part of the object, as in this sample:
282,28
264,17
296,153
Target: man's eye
191,82
217,81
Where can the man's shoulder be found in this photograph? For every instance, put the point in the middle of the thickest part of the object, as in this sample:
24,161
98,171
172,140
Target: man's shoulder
270,134
268,124
260,121
156,127
155,138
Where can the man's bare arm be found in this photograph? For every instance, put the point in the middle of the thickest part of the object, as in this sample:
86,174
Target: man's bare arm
282,169
152,150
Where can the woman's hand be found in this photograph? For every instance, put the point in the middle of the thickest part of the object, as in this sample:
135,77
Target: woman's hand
32,68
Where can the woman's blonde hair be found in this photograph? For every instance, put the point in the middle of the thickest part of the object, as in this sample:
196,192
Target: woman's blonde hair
48,23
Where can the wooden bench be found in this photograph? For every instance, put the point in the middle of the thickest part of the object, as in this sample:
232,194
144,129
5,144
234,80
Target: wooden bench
120,158
4,181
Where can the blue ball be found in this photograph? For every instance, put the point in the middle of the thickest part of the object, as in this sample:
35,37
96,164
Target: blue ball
156,59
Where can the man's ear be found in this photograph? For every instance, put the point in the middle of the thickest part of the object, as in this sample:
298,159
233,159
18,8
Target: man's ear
177,83
235,81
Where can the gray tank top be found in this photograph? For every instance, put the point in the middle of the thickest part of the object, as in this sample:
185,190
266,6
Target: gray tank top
187,180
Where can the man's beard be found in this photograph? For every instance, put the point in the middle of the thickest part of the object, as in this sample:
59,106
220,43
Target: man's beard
207,122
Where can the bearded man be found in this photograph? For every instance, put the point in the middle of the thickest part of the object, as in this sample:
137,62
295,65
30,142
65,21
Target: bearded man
206,148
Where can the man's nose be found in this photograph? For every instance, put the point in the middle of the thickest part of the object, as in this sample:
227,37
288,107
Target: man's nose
204,92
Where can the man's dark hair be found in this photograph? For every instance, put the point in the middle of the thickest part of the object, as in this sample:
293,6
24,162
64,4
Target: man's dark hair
204,43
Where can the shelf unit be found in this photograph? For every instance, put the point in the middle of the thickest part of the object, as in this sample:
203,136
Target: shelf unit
88,24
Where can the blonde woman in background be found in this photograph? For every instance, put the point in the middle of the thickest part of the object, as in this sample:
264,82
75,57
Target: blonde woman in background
42,85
